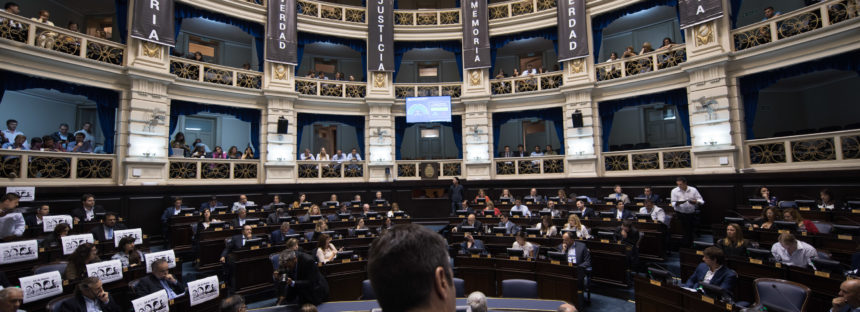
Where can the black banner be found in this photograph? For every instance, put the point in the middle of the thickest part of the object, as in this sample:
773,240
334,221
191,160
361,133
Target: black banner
380,35
476,34
153,21
695,12
572,39
281,32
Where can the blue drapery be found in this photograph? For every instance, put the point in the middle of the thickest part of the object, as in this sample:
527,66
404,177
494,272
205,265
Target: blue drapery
309,38
249,115
456,125
107,101
676,97
553,114
598,23
751,85
122,19
453,46
183,11
305,119
497,42
736,9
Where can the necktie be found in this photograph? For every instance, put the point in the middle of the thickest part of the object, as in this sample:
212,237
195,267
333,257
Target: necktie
572,258
618,196
110,233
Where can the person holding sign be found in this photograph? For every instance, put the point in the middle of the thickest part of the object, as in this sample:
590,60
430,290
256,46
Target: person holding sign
90,296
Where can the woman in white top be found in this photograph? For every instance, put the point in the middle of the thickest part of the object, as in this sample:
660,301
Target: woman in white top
521,244
323,155
326,251
394,208
546,228
128,255
573,223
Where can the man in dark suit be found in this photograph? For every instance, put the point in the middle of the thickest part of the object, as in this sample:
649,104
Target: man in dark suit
456,193
470,242
649,194
472,221
534,198
621,213
713,271
211,204
510,227
88,210
586,211
104,232
275,217
241,215
237,242
89,292
299,279
577,253
159,279
168,213
521,151
507,152
34,221
279,236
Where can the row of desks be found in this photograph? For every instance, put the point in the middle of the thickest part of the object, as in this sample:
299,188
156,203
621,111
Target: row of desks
811,213
841,247
555,281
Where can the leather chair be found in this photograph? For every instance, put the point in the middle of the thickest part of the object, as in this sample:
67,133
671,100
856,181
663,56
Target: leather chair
367,291
132,285
787,204
519,288
780,295
823,227
53,266
460,286
54,304
309,236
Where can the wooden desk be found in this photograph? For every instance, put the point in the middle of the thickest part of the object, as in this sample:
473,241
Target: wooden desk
656,297
555,281
344,278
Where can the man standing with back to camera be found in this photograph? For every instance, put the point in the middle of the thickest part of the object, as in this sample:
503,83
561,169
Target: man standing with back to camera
456,193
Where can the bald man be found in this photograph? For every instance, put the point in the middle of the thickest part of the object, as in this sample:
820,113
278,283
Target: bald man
566,308
849,297
11,299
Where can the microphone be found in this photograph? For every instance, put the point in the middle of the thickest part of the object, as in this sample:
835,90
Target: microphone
662,268
784,297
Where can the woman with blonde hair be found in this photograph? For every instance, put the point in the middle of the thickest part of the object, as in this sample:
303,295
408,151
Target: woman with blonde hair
574,224
734,245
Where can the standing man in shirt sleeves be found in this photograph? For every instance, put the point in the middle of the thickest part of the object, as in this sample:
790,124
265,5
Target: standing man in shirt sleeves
456,193
12,224
686,199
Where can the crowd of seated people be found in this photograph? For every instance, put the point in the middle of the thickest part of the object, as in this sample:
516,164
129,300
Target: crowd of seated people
529,71
198,149
339,76
339,156
520,152
80,141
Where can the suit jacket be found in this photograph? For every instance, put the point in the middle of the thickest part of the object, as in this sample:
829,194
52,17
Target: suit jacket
234,244
278,238
150,284
632,237
511,154
654,198
310,285
82,215
478,244
583,256
167,214
589,212
723,277
235,223
510,228
625,214
274,218
206,206
478,226
77,304
30,220
537,199
99,231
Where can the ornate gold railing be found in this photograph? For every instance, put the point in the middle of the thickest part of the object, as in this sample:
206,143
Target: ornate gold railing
519,7
312,169
427,17
61,40
648,62
794,23
211,73
514,85
831,146
331,11
333,88
650,159
529,165
445,168
261,3
402,90
17,165
213,169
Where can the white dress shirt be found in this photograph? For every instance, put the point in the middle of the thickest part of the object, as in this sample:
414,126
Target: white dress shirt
10,135
12,224
237,205
691,194
527,248
522,208
710,275
307,157
352,156
657,213
89,213
799,258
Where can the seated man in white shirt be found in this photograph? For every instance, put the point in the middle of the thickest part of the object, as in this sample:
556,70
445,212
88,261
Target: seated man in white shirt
518,206
353,155
657,213
339,156
530,70
12,224
792,252
307,155
242,203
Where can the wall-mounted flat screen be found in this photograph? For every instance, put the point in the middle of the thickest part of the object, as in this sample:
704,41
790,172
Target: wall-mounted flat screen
428,109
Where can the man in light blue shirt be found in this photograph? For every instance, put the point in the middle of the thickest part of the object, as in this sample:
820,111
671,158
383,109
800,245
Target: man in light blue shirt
518,206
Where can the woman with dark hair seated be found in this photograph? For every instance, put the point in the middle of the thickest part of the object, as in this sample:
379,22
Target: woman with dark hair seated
734,245
55,239
78,260
793,215
764,193
128,254
768,216
713,271
826,200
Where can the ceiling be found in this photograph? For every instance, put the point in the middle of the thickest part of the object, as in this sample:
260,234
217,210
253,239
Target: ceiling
82,7
640,19
58,96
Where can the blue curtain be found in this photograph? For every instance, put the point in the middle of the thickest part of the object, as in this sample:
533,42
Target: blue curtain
249,115
497,42
257,31
676,97
553,114
305,119
107,101
751,85
600,22
355,44
456,125
122,19
453,46
736,9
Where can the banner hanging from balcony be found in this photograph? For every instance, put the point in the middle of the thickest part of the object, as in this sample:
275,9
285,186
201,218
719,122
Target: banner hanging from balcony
476,34
695,12
380,35
282,32
572,39
153,22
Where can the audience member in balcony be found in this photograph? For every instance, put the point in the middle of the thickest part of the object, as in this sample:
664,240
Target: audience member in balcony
667,44
619,196
246,66
764,193
49,145
518,206
520,243
628,52
219,153
501,74
322,155
128,254
45,38
11,132
78,260
73,26
19,143
197,56
586,212
243,202
530,70
826,201
178,142
62,136
506,152
549,151
199,152
646,48
574,224
791,251
104,232
321,75
656,213
12,224
88,210
36,144
351,78
521,151
353,155
199,142
34,221
307,155
537,152
791,214
770,13
612,57
516,72
768,216
490,210
248,154
734,245
12,8
311,75
338,76
339,156
80,145
56,237
546,228
541,70
233,153
101,34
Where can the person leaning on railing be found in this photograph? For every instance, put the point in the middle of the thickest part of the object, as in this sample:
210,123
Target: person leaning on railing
46,38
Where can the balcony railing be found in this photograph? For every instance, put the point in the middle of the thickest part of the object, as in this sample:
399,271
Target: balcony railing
832,146
332,11
529,165
312,169
426,17
403,90
18,165
650,159
61,40
445,168
213,169
261,3
645,63
514,85
519,7
211,73
807,19
332,88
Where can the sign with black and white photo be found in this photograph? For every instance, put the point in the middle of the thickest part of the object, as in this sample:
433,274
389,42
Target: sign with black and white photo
27,193
154,302
572,39
281,32
476,34
153,21
71,242
203,290
50,222
19,251
41,286
106,271
380,35
120,234
166,255
695,12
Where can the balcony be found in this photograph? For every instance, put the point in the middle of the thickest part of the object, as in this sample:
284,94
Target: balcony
313,169
331,88
650,159
196,170
519,7
405,90
649,62
534,83
215,74
417,169
835,148
523,167
427,17
331,11
34,166
822,15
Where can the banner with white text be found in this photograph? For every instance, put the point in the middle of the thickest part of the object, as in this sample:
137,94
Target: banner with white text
19,251
281,32
695,12
203,290
153,21
106,271
572,40
476,34
167,255
41,286
154,302
71,242
380,35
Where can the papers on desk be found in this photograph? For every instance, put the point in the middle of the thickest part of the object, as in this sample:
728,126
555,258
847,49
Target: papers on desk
689,289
